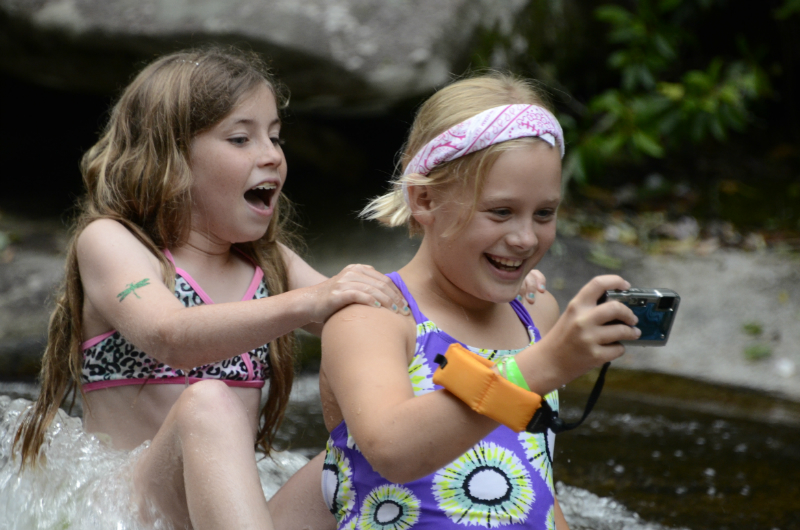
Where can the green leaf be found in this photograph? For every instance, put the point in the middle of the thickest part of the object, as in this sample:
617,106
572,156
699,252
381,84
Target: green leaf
673,91
669,122
663,47
648,108
610,145
698,127
646,77
757,352
754,329
599,256
697,81
647,144
666,6
717,129
574,167
613,14
789,8
618,60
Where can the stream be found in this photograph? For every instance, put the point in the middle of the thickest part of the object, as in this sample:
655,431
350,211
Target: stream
731,462
652,455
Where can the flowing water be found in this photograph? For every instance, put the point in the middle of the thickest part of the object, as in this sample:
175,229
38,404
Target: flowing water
657,452
679,453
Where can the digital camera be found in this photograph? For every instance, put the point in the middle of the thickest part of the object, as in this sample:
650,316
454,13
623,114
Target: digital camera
656,309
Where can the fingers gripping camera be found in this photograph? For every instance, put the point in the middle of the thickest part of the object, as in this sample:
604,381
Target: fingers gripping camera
655,308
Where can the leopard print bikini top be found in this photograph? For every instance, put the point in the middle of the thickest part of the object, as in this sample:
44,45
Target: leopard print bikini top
110,360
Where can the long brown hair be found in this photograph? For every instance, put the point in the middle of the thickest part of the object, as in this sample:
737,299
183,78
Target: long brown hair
138,174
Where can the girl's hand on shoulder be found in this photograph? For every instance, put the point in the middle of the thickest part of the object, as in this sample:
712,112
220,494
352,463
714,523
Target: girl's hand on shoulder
356,284
534,282
583,337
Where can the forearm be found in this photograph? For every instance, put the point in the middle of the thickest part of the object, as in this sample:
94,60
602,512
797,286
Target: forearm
188,337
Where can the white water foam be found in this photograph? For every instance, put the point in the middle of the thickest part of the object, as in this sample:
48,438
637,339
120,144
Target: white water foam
584,510
84,482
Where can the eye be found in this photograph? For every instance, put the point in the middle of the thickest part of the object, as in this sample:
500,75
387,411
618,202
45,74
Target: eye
238,140
277,141
500,212
545,214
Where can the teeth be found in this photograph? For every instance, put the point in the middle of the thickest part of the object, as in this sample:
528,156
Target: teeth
265,186
507,262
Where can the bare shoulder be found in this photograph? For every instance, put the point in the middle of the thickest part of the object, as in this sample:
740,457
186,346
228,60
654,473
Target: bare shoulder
301,274
544,312
105,233
106,244
366,321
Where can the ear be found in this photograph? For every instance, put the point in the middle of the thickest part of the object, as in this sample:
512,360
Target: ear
421,202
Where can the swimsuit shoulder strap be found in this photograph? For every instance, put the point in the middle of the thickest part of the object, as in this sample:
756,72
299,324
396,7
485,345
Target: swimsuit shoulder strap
522,313
412,304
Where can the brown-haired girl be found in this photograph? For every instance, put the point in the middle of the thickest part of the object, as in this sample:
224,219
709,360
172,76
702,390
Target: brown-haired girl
416,446
178,263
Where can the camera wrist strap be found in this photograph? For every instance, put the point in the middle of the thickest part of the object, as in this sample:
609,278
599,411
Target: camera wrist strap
546,418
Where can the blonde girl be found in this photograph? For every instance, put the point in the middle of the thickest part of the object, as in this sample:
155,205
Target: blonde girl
481,183
179,262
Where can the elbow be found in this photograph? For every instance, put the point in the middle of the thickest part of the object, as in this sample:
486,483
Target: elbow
392,464
394,472
166,344
397,477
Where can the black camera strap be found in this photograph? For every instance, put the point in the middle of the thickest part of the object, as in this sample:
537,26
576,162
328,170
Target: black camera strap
547,418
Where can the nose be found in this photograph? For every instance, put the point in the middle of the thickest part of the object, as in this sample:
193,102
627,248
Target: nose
270,154
524,235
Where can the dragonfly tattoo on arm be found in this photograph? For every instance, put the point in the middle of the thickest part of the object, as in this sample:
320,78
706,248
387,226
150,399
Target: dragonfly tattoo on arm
131,289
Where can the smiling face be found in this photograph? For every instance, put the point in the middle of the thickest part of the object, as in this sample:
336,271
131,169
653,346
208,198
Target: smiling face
513,225
239,169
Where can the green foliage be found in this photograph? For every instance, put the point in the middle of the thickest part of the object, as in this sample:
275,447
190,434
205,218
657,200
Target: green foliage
659,106
757,352
754,329
599,255
789,8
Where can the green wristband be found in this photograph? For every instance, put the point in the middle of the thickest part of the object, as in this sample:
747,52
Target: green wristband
509,369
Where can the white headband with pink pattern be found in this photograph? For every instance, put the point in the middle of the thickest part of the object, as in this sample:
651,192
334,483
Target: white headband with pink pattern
490,127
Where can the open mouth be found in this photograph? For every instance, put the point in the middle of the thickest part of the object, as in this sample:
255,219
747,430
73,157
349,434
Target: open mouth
505,264
260,196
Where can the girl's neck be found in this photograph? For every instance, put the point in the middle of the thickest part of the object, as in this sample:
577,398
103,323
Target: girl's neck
203,251
429,283
224,274
462,315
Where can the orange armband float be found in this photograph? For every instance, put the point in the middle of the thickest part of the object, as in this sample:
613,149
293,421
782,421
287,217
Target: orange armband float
471,379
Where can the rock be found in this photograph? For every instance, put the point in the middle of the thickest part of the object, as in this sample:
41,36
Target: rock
720,293
275,470
333,54
29,275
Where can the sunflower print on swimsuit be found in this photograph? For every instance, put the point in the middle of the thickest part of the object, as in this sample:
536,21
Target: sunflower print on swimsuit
337,479
420,373
487,486
389,507
538,450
